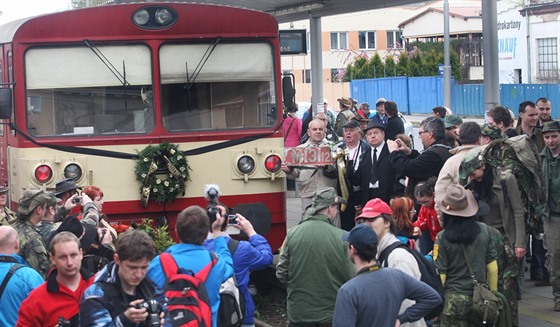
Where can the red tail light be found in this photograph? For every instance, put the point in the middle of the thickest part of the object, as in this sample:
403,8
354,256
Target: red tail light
43,173
272,163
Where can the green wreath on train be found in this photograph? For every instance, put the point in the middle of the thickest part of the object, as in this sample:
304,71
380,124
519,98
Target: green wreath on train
162,171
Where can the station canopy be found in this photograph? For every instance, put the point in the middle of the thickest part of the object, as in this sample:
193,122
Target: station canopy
294,10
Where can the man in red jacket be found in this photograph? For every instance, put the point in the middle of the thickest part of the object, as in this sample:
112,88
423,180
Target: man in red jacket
59,297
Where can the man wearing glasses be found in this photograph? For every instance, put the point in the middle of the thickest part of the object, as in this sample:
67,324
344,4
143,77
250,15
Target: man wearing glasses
421,166
31,210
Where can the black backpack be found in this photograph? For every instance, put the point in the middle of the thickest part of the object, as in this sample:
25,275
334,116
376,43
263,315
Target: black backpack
428,272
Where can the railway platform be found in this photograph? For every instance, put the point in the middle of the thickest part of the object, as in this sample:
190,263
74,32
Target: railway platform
535,307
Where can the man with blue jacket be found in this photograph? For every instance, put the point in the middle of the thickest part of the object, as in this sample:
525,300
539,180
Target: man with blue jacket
253,254
192,228
22,281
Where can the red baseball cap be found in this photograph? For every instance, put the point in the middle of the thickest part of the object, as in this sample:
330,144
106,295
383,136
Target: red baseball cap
374,208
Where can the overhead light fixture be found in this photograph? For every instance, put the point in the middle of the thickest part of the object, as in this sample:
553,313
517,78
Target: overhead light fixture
302,7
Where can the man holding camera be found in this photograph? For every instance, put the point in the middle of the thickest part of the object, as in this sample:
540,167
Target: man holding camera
57,300
122,295
192,228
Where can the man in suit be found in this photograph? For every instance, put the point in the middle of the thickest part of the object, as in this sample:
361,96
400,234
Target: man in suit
376,175
356,146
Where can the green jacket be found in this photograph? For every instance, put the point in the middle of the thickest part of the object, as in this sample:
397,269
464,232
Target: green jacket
551,172
449,260
32,247
314,264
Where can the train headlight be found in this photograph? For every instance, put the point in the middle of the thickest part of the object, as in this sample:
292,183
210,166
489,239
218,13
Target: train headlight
246,164
43,173
141,17
154,17
163,16
73,171
272,163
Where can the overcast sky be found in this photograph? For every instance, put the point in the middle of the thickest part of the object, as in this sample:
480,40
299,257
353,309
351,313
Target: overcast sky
16,9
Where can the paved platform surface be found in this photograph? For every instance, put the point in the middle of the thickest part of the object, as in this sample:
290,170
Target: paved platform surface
535,308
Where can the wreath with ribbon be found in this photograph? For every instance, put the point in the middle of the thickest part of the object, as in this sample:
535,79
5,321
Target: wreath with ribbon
163,171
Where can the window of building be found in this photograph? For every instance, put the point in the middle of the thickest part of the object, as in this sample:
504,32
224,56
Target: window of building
394,40
334,74
547,50
306,76
366,40
339,40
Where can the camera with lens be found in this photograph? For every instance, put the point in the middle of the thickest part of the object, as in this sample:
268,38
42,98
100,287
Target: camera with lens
154,309
212,193
63,322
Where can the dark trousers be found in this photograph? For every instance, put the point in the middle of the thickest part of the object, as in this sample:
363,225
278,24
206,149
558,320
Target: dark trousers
426,243
347,217
311,324
538,270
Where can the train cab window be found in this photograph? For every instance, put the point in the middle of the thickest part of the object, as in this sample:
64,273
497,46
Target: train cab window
74,91
217,86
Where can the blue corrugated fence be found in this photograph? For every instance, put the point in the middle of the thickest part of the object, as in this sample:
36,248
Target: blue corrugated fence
418,95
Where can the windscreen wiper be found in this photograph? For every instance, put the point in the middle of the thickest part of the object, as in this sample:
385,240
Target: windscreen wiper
108,64
201,63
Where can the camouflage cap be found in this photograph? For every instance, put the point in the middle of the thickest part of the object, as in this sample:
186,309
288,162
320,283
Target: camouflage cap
551,126
34,198
452,121
472,161
324,198
493,132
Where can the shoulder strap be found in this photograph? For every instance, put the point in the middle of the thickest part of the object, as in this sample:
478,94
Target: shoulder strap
232,246
204,272
468,263
168,264
384,255
8,258
9,275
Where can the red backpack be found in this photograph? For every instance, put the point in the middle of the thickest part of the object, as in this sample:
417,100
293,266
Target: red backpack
187,299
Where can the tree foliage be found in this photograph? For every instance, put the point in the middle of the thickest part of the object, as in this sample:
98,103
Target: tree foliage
420,61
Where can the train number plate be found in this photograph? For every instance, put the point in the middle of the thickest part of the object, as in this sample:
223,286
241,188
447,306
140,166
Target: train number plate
308,156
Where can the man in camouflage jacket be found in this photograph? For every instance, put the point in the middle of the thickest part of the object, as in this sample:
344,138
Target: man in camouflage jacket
32,208
7,216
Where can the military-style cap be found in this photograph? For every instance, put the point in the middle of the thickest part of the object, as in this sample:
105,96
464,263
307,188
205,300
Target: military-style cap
32,199
493,132
471,162
551,126
380,101
324,198
452,121
4,189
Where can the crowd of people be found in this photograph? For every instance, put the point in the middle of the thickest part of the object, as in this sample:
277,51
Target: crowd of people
347,263
450,202
62,264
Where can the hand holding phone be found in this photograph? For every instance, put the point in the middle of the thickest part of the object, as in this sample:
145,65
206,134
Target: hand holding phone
232,219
